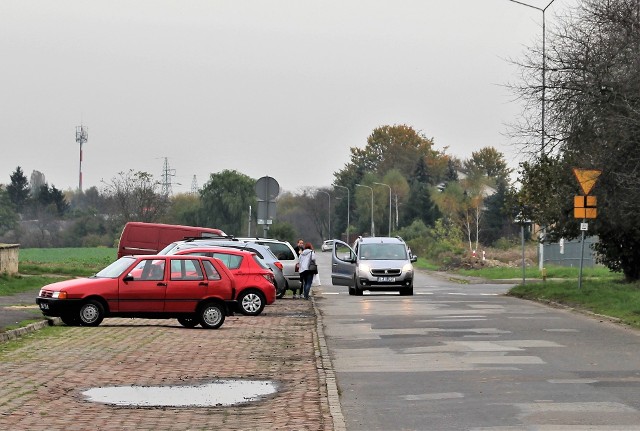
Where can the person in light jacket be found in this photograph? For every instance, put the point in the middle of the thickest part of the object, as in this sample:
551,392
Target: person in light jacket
306,257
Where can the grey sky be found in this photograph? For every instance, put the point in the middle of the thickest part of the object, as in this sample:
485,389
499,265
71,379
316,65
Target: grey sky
267,87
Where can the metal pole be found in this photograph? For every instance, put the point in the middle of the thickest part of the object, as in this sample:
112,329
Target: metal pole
523,262
329,196
581,258
372,226
383,184
544,88
348,207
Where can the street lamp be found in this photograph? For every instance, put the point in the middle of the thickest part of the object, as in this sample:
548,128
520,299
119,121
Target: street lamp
544,67
360,185
348,206
383,184
544,88
329,196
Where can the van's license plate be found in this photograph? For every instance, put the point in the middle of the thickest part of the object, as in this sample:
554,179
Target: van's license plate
386,279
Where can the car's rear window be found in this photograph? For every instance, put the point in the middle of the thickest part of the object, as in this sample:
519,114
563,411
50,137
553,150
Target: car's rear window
231,261
260,262
282,251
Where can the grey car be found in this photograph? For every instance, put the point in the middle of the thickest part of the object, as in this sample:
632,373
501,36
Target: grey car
285,254
262,251
374,264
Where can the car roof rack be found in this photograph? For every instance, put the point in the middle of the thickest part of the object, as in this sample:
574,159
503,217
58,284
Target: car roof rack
209,238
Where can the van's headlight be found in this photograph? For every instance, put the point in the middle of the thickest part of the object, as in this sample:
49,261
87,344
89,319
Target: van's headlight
363,267
407,268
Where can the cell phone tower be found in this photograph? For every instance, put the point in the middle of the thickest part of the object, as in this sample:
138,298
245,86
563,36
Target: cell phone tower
82,135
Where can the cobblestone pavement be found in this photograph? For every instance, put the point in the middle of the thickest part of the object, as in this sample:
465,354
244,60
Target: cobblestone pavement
43,374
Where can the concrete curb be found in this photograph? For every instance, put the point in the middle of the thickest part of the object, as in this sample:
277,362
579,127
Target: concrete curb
13,334
327,374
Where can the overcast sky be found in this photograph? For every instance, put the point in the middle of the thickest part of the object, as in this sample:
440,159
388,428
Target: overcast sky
265,87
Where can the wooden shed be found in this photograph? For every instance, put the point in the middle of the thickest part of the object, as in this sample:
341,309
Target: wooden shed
9,258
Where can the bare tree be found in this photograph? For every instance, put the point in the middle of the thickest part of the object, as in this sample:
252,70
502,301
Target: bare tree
136,196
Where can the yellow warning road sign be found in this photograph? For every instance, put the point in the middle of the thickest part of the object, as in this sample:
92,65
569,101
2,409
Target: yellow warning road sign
587,178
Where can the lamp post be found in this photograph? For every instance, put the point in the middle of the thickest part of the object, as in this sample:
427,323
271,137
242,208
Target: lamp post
383,184
544,67
329,196
370,188
544,88
348,206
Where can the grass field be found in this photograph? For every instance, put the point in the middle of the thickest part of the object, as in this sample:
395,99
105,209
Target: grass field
67,261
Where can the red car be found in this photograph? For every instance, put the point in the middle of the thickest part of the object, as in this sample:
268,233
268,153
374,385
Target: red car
193,289
255,282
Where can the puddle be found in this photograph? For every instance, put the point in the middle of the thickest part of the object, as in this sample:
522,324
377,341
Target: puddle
219,393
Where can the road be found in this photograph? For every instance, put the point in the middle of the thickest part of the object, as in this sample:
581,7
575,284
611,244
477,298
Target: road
465,357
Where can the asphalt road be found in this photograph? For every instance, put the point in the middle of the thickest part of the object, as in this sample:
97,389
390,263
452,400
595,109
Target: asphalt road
465,357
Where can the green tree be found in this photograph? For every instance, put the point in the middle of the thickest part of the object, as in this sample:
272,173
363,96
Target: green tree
488,162
18,189
420,205
183,208
8,216
283,231
226,198
388,147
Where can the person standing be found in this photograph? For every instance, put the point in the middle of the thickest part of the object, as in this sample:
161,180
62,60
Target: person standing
307,271
299,248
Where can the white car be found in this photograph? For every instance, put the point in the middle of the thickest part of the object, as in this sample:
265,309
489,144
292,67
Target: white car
327,245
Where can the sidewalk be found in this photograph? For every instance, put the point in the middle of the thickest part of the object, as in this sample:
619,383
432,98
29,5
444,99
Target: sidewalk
41,381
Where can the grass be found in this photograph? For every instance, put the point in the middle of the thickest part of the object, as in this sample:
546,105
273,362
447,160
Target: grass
608,297
496,273
11,285
76,262
46,332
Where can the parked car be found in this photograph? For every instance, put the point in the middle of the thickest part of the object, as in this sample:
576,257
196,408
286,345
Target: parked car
286,254
255,283
193,289
327,245
374,264
263,252
150,238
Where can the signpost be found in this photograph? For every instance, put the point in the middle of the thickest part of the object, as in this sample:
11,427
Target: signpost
585,206
267,189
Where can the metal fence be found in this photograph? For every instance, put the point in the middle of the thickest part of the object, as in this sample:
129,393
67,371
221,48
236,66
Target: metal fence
567,253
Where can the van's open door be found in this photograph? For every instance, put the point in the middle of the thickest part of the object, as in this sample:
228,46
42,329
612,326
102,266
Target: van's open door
343,264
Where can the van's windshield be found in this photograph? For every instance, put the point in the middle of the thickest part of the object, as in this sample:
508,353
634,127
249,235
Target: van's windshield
381,251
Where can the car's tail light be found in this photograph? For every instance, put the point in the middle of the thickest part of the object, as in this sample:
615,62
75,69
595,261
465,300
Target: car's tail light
270,278
278,264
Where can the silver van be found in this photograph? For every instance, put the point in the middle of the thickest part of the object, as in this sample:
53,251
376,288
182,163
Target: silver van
374,264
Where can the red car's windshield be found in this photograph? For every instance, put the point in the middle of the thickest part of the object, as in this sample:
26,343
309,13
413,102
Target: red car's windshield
116,268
